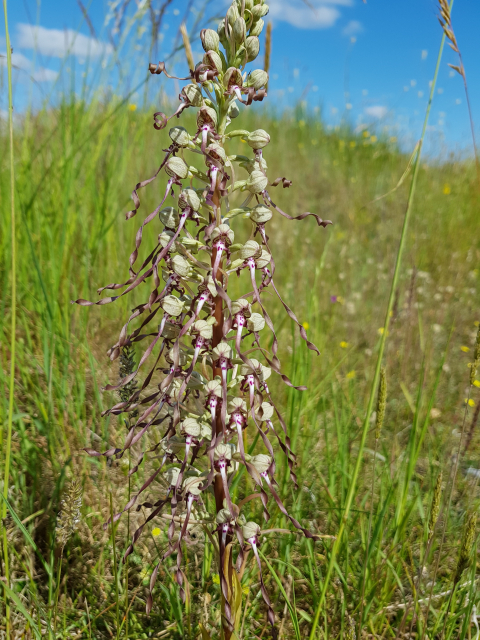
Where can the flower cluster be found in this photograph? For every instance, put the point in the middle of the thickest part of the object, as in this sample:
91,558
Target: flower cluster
209,390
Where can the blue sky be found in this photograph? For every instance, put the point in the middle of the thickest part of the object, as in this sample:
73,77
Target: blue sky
370,63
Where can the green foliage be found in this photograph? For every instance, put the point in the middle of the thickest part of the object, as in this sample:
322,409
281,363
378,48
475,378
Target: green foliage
73,183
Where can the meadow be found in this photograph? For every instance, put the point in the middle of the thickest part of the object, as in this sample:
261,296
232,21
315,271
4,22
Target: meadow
395,574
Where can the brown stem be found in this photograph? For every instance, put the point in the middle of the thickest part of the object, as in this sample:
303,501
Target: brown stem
219,490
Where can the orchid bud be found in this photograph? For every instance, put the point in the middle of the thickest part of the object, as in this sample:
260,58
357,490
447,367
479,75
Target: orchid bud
169,217
172,475
213,387
252,46
223,451
239,30
225,231
233,110
255,164
250,249
257,28
193,94
257,182
257,79
207,117
176,168
203,329
260,11
181,266
223,350
250,530
180,136
165,237
236,404
172,305
256,322
261,214
213,60
258,139
193,486
189,198
264,260
232,78
267,412
191,427
242,306
232,14
261,462
210,39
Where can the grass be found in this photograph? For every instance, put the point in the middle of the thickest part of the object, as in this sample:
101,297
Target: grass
72,189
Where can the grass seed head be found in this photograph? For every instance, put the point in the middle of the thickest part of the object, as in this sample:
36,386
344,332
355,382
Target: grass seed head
69,515
468,539
435,509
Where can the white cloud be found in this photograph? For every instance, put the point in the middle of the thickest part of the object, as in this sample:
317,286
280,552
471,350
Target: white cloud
317,14
58,43
376,111
353,28
19,61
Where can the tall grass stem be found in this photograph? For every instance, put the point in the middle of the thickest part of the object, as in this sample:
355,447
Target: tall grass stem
8,444
391,300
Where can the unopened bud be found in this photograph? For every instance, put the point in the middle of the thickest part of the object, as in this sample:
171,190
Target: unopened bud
176,168
210,39
258,139
239,30
165,237
180,136
252,47
172,305
260,11
257,79
169,217
193,94
257,182
261,214
256,322
232,14
257,28
181,266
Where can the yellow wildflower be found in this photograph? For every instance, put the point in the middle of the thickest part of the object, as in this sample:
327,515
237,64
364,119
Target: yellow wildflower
366,134
344,344
306,326
447,189
373,139
476,383
132,107
156,532
465,349
470,402
350,375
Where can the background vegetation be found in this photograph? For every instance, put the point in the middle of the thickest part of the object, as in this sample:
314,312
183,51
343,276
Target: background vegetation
75,168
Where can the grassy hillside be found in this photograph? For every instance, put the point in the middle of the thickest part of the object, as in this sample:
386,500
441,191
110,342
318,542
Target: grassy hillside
75,168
